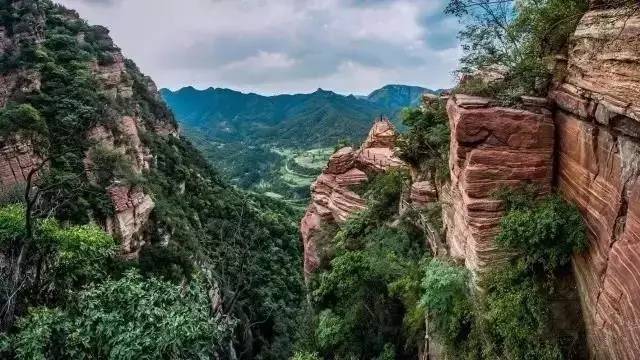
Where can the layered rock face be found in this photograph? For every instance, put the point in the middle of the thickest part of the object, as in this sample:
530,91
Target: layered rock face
132,206
332,200
491,148
115,78
598,168
17,160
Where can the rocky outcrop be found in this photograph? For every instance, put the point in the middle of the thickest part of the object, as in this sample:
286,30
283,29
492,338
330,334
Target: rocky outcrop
132,209
17,160
131,205
491,148
598,169
423,193
117,129
332,200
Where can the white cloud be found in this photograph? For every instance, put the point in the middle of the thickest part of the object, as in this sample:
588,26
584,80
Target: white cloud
282,45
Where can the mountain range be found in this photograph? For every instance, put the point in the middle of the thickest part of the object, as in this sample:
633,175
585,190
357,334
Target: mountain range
321,118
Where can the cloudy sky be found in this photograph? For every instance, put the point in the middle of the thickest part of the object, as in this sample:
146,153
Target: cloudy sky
283,46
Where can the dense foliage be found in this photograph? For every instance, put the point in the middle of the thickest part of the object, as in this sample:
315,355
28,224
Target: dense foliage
220,273
128,318
510,318
425,144
514,42
239,132
365,297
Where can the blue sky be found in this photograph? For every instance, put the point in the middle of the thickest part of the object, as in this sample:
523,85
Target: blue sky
283,46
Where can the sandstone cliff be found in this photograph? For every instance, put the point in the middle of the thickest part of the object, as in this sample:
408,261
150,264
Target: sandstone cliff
126,95
332,199
598,168
491,148
586,143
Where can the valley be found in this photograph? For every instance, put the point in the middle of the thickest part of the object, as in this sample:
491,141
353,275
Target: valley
251,139
499,219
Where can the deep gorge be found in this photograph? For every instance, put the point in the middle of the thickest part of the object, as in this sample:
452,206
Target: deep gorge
499,219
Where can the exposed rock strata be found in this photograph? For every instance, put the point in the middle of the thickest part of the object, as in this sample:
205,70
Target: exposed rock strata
332,201
17,159
132,206
423,193
598,169
132,210
491,148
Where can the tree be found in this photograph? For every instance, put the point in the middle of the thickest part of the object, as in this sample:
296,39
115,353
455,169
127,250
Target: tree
129,318
514,40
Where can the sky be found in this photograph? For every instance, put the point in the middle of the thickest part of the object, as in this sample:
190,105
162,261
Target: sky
283,46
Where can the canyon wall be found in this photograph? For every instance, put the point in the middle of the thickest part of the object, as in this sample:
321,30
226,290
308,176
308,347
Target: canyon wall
332,197
491,148
116,132
598,168
588,147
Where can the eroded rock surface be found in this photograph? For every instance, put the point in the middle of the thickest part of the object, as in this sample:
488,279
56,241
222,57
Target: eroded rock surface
332,199
491,148
17,159
598,169
132,208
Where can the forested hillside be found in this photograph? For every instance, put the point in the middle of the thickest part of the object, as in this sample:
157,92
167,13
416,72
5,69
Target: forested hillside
261,142
117,238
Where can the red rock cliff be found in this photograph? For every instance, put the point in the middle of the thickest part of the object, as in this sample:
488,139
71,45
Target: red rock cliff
491,147
598,168
589,148
332,201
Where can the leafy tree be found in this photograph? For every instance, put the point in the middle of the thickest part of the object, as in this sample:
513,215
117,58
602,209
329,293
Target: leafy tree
517,318
129,318
426,143
64,258
447,300
515,39
546,231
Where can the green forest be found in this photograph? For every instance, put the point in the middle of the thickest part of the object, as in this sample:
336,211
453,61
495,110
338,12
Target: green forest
247,137
220,271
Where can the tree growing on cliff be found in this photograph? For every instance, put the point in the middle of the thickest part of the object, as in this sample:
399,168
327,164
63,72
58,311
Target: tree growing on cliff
426,144
514,41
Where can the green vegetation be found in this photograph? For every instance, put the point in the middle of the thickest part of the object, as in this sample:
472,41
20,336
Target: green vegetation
510,318
128,318
425,145
220,274
251,138
516,40
365,295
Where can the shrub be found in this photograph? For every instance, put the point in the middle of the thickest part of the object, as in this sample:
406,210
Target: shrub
426,143
544,231
447,300
383,194
129,318
516,315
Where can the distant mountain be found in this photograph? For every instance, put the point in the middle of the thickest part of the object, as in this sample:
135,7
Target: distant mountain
321,118
254,140
398,96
